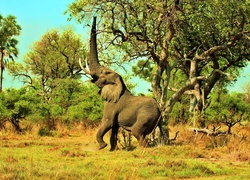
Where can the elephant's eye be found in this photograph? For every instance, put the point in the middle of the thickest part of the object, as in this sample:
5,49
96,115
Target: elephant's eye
107,72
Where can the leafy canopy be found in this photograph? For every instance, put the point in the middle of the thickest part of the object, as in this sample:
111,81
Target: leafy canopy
203,42
9,29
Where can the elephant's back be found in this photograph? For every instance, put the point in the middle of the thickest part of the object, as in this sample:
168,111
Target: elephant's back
141,110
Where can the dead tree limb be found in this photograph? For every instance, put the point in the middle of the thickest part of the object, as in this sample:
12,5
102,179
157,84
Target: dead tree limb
214,132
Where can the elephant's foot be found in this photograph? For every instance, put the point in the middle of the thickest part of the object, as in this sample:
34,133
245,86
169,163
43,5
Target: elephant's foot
144,143
102,145
114,148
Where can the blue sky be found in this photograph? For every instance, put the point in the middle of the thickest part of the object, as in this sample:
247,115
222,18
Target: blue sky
37,17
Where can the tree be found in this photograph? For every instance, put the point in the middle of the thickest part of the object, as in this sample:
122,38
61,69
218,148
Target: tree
246,91
52,71
51,59
228,109
9,29
86,105
203,41
16,105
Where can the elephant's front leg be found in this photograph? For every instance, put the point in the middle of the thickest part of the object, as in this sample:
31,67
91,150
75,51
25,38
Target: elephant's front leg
113,138
105,127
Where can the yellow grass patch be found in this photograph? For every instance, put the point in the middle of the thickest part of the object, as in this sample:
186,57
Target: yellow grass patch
73,155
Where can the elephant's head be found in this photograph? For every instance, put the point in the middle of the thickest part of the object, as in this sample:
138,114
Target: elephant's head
110,83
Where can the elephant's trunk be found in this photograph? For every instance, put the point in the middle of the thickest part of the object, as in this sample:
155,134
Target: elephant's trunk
94,68
94,64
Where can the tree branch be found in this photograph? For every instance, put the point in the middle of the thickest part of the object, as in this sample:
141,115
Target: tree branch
225,74
214,132
30,82
215,49
176,96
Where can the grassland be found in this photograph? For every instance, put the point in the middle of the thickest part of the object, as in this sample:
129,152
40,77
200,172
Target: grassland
74,156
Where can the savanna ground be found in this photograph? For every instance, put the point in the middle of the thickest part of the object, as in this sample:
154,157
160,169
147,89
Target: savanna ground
73,154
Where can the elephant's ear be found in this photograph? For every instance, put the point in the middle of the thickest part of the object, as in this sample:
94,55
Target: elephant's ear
112,92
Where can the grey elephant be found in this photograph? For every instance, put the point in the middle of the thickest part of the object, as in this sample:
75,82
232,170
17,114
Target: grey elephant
139,115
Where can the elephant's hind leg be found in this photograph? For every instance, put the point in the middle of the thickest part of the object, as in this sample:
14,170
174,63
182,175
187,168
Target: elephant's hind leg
141,138
143,141
113,138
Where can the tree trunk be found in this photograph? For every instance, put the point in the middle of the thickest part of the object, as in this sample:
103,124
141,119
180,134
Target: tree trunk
1,70
16,125
196,98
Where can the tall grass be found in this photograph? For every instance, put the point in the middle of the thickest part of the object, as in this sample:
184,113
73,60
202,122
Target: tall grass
75,157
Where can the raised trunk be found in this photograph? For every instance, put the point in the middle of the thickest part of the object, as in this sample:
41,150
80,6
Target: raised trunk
94,64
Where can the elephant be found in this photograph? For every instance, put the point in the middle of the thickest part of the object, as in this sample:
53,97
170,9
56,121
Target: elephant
136,114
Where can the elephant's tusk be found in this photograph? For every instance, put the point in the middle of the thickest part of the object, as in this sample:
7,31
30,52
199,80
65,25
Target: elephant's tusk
87,66
86,70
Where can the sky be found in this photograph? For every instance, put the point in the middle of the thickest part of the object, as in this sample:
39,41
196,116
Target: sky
36,17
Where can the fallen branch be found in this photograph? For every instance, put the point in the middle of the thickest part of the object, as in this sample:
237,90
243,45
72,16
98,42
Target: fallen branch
214,132
175,137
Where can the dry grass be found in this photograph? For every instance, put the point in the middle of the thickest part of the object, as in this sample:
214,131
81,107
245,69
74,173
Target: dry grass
74,155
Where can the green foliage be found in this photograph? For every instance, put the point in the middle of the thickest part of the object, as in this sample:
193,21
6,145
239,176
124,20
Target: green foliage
228,107
207,41
52,71
212,23
180,113
67,106
85,110
56,56
160,39
9,29
87,105
72,102
143,69
44,132
17,105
